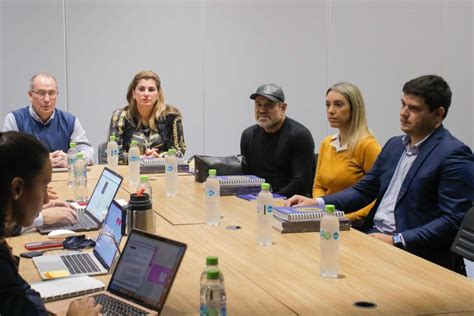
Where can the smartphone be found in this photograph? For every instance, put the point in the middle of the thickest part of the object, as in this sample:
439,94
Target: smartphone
43,245
31,254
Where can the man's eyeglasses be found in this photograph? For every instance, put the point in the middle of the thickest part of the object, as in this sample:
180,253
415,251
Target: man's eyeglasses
43,93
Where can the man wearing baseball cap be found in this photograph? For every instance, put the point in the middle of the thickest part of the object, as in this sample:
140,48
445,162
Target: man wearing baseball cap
278,148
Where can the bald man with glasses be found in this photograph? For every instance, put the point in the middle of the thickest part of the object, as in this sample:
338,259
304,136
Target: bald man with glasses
53,127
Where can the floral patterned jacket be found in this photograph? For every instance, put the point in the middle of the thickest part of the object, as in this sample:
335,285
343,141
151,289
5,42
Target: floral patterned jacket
169,134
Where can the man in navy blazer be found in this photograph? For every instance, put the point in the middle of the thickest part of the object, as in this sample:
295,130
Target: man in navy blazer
423,181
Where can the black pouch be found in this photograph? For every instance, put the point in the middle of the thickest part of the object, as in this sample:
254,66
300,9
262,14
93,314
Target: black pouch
225,166
78,242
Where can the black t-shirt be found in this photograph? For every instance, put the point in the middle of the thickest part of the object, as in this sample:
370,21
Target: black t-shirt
285,159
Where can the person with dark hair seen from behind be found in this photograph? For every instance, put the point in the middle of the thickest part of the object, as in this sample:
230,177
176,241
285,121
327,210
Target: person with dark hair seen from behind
278,148
346,157
25,171
55,128
155,125
423,181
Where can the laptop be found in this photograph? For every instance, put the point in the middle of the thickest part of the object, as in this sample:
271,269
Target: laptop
90,217
143,277
99,261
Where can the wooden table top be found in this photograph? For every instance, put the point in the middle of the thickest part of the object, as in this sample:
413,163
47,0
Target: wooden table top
283,279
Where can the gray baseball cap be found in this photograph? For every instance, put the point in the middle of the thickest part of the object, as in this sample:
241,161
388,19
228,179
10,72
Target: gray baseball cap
270,91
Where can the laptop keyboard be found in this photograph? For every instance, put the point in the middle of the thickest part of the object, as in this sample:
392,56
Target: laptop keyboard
113,306
79,263
83,221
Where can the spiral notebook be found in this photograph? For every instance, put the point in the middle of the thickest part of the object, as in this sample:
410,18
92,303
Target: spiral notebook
157,165
301,214
67,287
240,185
305,226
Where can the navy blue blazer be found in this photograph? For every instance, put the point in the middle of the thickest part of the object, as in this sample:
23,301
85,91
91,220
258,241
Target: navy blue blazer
435,194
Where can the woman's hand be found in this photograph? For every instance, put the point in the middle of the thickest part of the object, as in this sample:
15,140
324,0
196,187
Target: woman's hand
84,306
151,153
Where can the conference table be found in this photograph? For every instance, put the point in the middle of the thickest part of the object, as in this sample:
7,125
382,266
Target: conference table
282,279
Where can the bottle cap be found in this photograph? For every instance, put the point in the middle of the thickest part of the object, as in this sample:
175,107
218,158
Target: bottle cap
72,145
212,260
144,178
212,172
265,186
171,151
134,142
213,274
112,137
330,208
80,155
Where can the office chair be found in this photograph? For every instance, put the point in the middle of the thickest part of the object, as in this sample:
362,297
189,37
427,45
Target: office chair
463,244
102,153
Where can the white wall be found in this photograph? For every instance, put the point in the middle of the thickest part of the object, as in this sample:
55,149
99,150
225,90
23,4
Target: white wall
211,55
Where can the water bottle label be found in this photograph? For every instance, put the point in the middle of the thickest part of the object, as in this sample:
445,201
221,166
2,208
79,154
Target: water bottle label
267,209
211,193
205,311
114,152
325,235
84,173
169,168
71,161
134,158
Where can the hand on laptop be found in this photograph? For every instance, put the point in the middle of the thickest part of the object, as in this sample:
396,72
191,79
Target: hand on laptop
84,306
58,211
58,159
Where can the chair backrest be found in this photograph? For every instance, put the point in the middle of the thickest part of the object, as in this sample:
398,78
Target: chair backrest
463,244
102,153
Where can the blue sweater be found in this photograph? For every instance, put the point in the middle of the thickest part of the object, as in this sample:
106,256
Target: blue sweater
55,134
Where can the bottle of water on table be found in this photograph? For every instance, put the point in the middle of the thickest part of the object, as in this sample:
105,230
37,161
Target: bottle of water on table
134,164
265,216
80,179
171,172
71,159
213,297
212,195
329,244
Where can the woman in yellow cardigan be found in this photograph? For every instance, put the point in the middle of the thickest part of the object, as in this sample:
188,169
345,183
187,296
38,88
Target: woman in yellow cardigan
345,158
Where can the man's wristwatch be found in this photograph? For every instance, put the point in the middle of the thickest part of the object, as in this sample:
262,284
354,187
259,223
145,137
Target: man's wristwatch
398,241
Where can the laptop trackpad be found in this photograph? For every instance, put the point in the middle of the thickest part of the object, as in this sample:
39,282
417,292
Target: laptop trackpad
51,263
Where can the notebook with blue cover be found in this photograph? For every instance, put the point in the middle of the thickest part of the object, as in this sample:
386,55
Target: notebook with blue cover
253,196
239,185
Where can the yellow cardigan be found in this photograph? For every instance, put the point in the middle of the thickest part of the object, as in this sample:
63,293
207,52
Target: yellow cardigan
336,171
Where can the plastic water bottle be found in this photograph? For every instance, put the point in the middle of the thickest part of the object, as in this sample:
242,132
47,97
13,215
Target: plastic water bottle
112,153
329,244
80,179
134,164
71,159
213,298
212,191
171,172
211,263
144,186
265,216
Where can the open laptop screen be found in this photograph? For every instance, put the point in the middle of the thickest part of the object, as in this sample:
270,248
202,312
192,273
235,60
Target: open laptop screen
104,192
105,248
146,269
